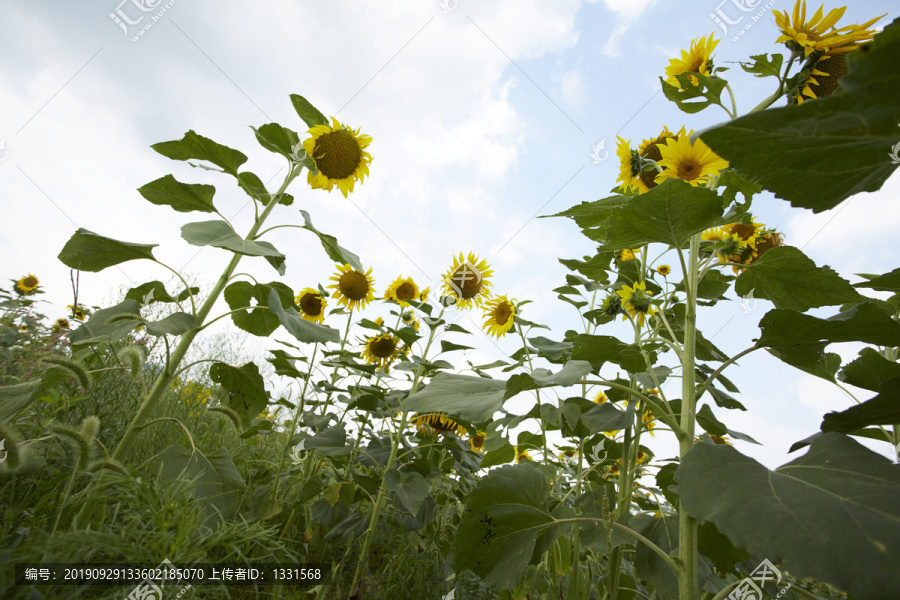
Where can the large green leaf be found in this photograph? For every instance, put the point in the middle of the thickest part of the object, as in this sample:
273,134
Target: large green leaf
889,282
177,323
823,151
571,373
594,217
607,417
504,514
219,234
275,138
411,488
870,370
14,398
831,514
183,197
215,479
309,113
883,409
334,251
256,189
247,394
90,252
96,330
148,293
299,327
790,279
866,322
474,399
600,349
194,146
259,320
687,93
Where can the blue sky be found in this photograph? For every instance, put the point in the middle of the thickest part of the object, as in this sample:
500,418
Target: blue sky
483,115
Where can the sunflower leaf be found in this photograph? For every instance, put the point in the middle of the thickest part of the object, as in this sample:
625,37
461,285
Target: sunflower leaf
474,399
259,321
762,66
889,282
883,409
866,322
275,138
154,289
334,251
411,488
309,113
256,189
299,327
219,234
176,324
869,371
795,515
247,394
90,252
572,372
198,147
183,197
685,95
790,279
96,330
817,154
600,349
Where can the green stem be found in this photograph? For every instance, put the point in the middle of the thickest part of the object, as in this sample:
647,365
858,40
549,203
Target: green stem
537,392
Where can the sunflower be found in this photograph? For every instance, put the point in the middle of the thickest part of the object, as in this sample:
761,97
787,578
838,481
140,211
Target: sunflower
382,349
354,288
438,422
649,421
499,315
764,241
629,167
627,254
312,305
521,455
408,318
468,281
402,290
612,305
747,233
476,442
696,60
727,246
695,163
27,284
720,440
819,34
62,324
423,297
77,312
636,300
340,157
664,270
601,398
649,150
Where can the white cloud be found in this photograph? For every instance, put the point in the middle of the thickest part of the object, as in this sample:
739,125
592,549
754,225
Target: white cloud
613,46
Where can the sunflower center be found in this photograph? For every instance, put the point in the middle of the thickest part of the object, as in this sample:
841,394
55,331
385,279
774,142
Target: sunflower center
406,291
30,281
652,152
354,285
502,313
689,171
478,441
468,281
337,154
835,67
311,304
745,232
382,347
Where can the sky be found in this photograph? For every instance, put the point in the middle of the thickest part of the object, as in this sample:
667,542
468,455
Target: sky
484,115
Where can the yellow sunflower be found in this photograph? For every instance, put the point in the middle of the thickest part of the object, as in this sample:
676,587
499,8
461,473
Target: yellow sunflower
27,284
664,270
340,156
476,442
523,455
312,305
379,321
423,297
636,300
649,150
695,163
438,422
629,172
696,60
627,254
747,233
649,422
402,290
354,288
819,33
77,312
468,281
62,324
601,398
409,319
499,315
382,349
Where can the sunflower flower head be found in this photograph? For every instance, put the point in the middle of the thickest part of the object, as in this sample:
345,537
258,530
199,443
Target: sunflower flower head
468,281
698,59
649,421
476,442
629,167
340,157
818,33
77,311
27,285
382,349
664,270
354,288
649,150
499,316
695,163
636,300
601,397
431,423
402,290
61,324
312,305
522,454
627,254
612,305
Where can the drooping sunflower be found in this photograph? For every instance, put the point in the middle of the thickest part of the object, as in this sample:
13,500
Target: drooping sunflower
340,156
408,318
521,454
695,163
27,284
629,167
402,290
499,316
819,33
77,311
476,442
636,300
765,241
468,281
354,288
698,59
649,422
664,270
612,305
438,422
312,305
382,349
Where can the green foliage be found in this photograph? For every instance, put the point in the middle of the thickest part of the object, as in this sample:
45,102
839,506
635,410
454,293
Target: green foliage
88,251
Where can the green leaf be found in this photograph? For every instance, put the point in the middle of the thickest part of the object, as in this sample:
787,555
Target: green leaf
732,182
309,113
215,479
219,234
504,514
709,422
176,324
450,346
866,322
275,138
552,351
664,533
810,358
819,153
410,488
606,417
300,328
474,399
685,96
870,370
330,442
96,330
790,279
713,286
276,261
155,289
183,197
499,456
332,249
593,217
883,409
571,373
600,349
259,320
831,514
247,394
90,252
669,214
763,66
889,282
14,398
193,146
